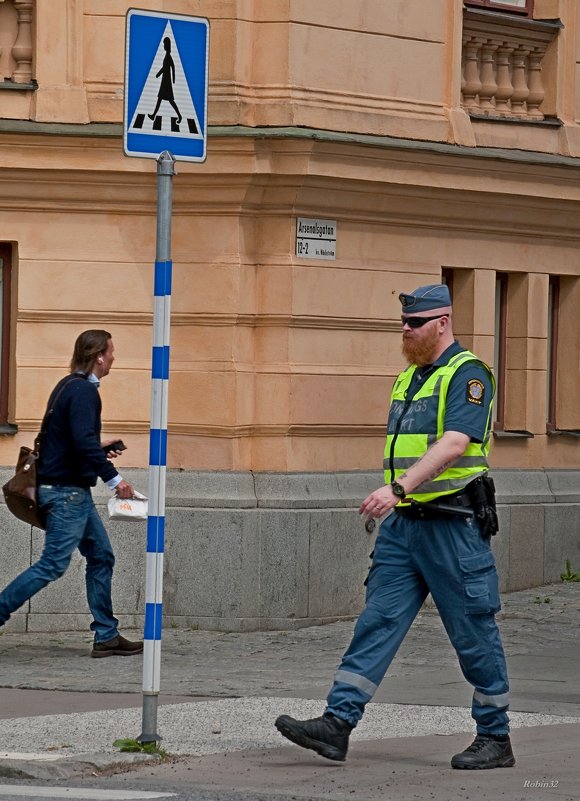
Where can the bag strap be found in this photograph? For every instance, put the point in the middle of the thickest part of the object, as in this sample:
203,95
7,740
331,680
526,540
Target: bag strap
50,407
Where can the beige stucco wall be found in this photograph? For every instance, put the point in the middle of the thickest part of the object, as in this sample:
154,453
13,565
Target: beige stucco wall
365,66
278,362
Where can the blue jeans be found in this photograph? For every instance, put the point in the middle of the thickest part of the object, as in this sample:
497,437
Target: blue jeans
71,522
449,558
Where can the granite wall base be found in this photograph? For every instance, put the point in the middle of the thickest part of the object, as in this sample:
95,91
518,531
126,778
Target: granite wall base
279,551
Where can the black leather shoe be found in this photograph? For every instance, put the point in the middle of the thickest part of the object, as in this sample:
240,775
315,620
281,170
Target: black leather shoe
328,735
485,752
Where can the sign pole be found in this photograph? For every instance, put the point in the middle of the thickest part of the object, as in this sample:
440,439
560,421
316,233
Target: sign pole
157,450
164,117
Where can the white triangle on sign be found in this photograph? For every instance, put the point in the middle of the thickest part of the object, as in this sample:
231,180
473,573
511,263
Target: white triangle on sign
155,113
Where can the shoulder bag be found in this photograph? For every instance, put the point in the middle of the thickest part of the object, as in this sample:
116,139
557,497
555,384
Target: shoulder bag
20,490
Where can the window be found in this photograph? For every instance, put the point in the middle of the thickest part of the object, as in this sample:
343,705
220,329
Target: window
514,411
511,6
562,415
553,321
5,304
499,361
447,278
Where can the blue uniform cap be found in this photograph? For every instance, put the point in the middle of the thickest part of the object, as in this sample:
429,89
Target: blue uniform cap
425,298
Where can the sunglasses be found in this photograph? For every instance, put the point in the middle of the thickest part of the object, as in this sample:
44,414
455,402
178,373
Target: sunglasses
419,322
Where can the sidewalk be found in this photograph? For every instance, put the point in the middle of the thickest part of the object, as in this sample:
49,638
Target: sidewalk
222,692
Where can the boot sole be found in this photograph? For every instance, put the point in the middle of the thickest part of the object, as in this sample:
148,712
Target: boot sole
507,763
298,738
103,654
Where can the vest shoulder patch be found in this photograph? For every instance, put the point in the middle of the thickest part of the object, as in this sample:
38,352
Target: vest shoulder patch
475,392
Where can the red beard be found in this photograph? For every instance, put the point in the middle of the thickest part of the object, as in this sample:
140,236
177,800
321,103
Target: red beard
420,350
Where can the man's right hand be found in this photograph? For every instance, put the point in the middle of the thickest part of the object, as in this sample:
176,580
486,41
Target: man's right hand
124,490
378,502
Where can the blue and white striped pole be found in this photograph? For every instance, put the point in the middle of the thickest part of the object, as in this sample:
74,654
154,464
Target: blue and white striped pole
157,451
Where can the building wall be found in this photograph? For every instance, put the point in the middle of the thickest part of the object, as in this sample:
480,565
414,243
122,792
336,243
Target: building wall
366,67
334,110
282,363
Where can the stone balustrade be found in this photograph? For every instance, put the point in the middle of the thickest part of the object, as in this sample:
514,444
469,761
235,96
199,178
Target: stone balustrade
16,53
502,61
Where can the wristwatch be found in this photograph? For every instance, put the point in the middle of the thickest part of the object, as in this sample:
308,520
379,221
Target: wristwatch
398,490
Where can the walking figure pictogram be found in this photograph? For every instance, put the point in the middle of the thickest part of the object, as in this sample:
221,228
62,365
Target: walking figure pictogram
167,73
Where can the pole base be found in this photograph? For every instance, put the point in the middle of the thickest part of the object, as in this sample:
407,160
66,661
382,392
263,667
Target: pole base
149,719
145,737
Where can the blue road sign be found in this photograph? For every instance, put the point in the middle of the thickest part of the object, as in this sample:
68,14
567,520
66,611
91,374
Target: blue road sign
166,76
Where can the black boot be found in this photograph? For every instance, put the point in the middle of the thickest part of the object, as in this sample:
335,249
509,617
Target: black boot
485,752
328,735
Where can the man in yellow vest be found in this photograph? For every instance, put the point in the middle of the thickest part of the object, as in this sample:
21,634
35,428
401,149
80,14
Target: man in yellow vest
440,507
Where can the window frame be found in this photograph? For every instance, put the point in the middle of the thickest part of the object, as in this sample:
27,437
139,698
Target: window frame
501,350
553,327
502,7
6,301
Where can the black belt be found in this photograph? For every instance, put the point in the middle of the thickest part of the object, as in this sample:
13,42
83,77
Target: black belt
459,499
458,505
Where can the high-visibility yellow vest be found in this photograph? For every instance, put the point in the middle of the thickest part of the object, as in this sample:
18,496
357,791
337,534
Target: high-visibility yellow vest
423,425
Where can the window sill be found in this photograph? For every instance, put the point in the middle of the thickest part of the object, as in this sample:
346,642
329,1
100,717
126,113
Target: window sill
520,20
501,434
550,122
8,428
22,87
564,432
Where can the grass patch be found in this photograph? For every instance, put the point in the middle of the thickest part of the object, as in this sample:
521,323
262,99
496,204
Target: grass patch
569,575
135,747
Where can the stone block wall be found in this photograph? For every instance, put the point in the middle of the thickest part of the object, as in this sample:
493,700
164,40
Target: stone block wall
280,551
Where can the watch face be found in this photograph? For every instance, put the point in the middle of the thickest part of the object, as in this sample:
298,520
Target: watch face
398,489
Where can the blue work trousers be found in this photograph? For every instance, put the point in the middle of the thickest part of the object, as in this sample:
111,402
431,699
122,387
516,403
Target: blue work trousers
448,557
71,522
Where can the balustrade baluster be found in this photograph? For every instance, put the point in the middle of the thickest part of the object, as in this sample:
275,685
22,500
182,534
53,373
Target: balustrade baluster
472,82
22,48
488,83
505,88
520,82
535,84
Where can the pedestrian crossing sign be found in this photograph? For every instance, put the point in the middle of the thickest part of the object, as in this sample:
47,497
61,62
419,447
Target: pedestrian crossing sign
166,76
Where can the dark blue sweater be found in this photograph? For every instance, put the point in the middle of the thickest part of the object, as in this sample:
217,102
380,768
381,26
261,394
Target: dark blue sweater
70,444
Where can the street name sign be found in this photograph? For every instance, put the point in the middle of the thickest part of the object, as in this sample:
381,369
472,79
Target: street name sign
166,77
315,239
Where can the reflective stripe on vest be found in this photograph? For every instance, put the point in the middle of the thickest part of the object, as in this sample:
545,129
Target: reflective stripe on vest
423,425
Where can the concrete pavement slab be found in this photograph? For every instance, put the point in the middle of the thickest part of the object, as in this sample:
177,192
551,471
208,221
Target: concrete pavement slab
299,663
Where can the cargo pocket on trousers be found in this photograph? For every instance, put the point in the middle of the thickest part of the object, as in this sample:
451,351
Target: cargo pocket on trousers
481,591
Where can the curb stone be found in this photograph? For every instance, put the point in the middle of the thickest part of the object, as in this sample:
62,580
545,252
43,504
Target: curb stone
71,767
